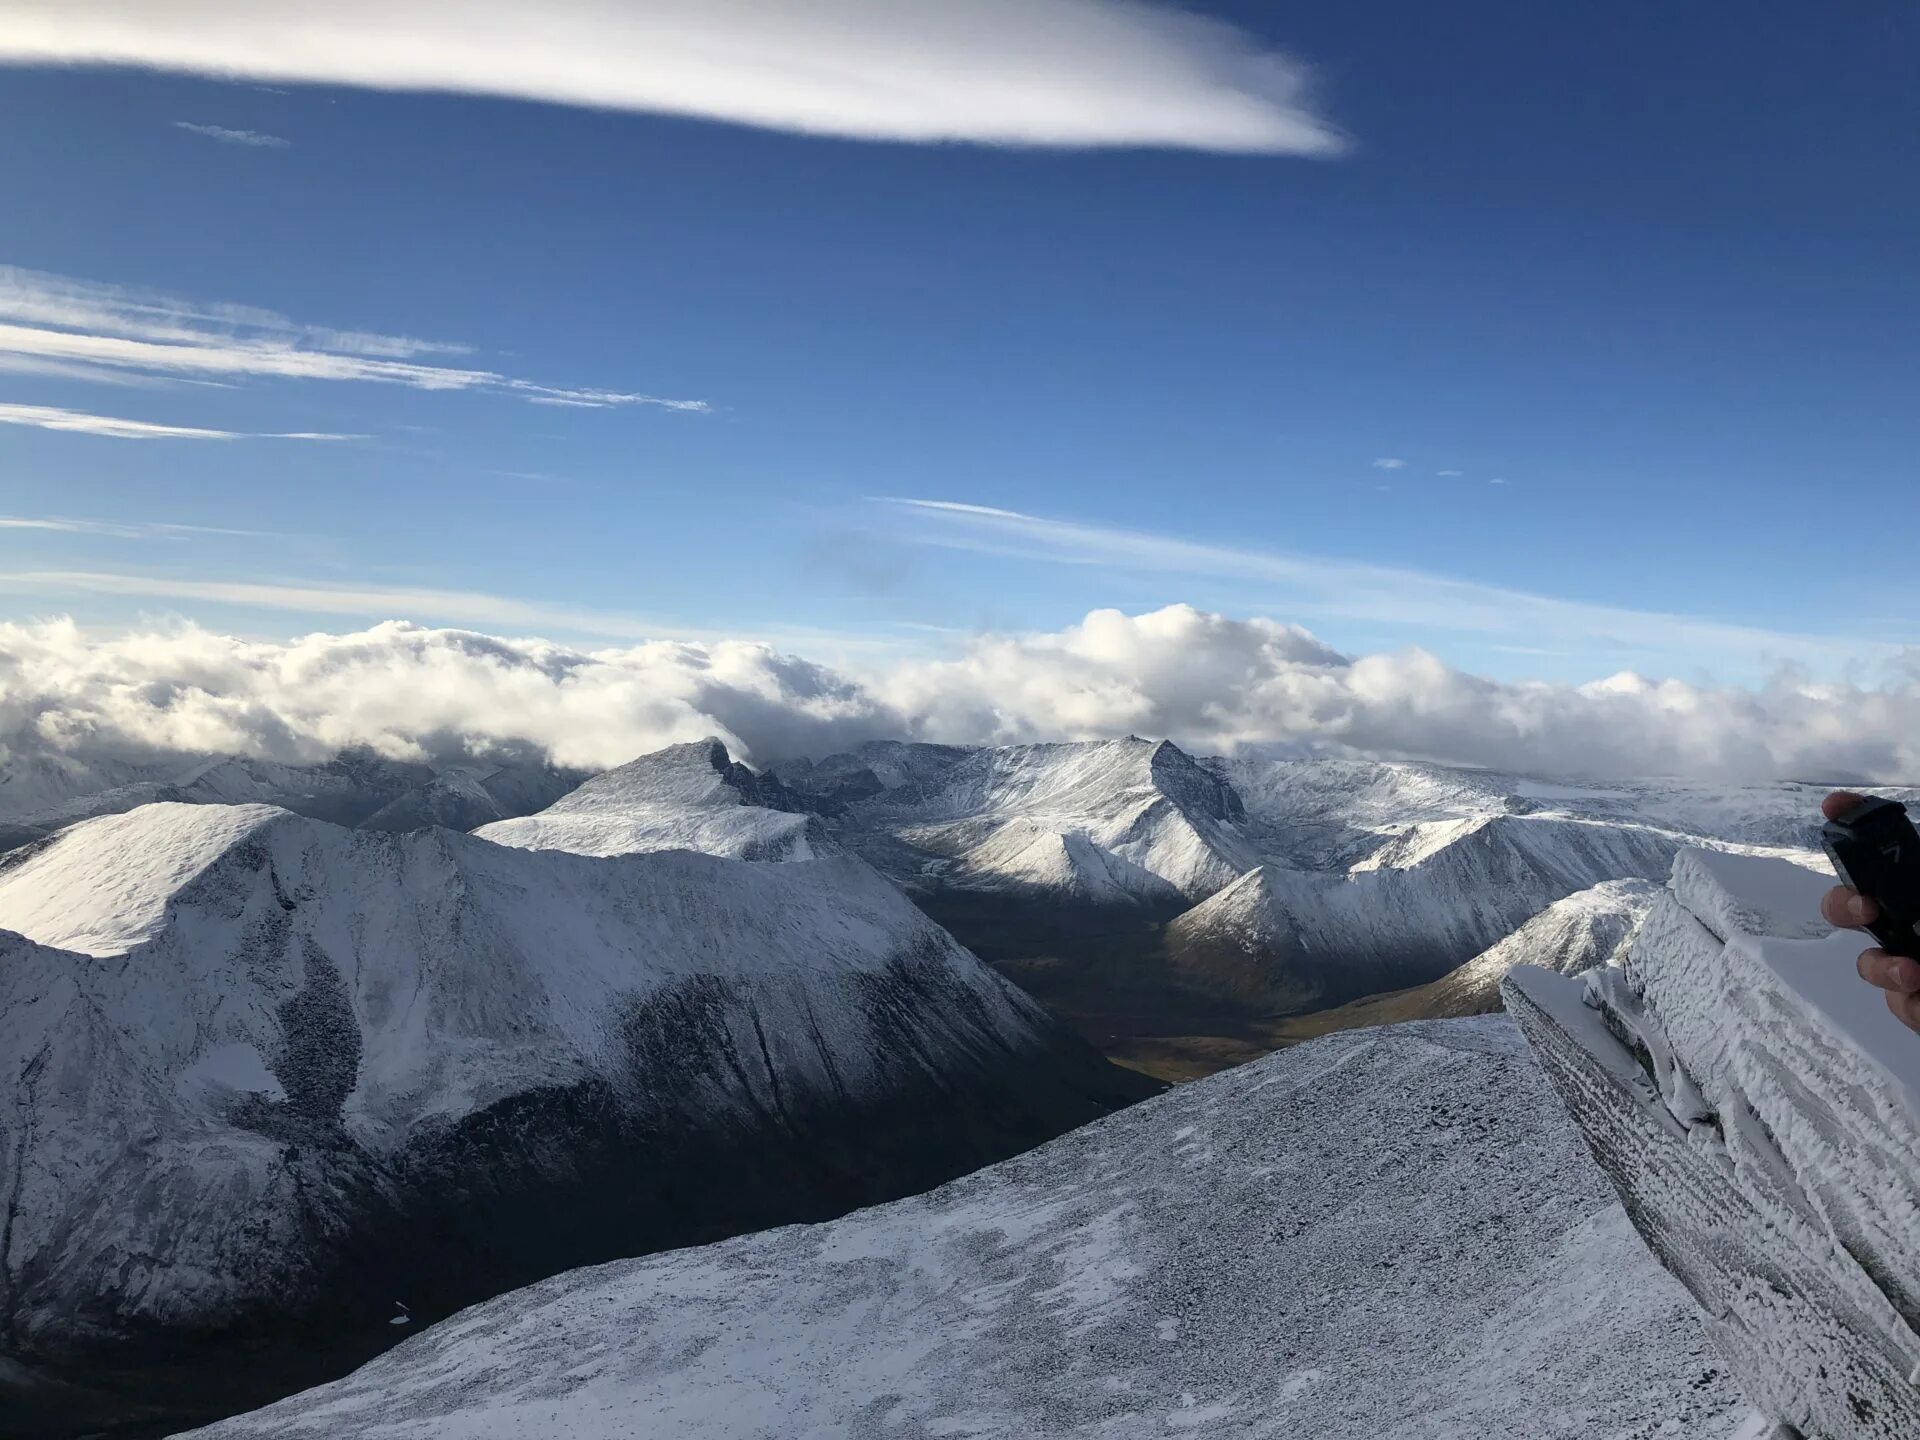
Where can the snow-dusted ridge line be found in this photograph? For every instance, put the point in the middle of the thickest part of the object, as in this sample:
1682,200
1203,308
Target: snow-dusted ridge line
1385,1233
1759,1109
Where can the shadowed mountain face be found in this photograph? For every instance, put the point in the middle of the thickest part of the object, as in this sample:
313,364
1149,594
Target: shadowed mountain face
272,1077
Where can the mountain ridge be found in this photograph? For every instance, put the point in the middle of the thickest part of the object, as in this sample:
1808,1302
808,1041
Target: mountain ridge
278,1073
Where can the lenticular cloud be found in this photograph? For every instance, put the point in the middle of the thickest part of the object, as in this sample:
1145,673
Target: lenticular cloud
1211,682
1011,72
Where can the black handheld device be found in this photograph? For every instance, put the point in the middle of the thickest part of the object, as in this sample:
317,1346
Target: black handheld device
1876,850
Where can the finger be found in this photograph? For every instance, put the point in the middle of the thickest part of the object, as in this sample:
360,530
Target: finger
1838,803
1894,973
1847,908
1906,1009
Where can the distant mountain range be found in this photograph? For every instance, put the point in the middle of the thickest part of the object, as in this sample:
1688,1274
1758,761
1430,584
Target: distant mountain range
279,1070
42,792
1104,876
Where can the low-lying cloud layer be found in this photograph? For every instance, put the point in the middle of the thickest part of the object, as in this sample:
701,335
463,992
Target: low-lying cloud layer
1016,72
1208,681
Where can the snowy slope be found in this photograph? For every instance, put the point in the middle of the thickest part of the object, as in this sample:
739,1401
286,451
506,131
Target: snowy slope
686,797
832,784
1294,939
1588,928
1383,1235
268,1072
1322,814
1120,821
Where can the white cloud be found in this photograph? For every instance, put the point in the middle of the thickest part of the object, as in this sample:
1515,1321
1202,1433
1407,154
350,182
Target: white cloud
1317,588
1209,681
1388,462
1497,480
79,422
1449,473
251,138
82,329
115,529
1012,72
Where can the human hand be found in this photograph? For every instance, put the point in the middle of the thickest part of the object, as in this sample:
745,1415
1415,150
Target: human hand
1847,909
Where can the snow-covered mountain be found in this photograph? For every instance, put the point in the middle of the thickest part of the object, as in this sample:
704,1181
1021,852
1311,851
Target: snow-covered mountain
686,797
268,1076
1423,903
1114,822
43,792
1382,1235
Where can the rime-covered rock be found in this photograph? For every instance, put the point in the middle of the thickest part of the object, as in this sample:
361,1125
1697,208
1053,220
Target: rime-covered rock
1758,1109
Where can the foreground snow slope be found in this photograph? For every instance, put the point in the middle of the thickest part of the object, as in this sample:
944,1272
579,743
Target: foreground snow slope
1381,1235
265,1071
686,797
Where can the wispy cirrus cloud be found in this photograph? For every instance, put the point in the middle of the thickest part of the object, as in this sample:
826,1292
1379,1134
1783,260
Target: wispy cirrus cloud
1389,462
74,328
1001,72
118,529
252,139
1320,588
80,422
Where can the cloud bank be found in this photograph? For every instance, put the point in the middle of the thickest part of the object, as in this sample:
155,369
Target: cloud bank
1209,681
1067,73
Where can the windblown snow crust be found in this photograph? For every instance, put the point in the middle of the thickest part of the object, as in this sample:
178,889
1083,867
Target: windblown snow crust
263,1069
1758,1108
1377,1236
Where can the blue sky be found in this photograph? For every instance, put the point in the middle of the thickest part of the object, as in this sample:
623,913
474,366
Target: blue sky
1641,276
